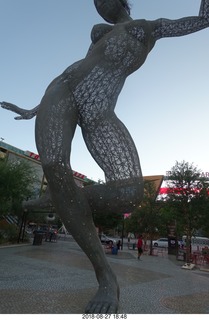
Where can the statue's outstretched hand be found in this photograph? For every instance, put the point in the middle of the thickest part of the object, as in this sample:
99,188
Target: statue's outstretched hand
24,114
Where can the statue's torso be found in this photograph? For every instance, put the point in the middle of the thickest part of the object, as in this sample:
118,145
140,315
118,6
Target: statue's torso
96,81
124,46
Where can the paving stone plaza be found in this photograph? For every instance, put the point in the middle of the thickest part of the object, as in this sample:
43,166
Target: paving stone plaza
57,278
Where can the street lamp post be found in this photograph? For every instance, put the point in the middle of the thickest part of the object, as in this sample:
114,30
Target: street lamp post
122,236
22,227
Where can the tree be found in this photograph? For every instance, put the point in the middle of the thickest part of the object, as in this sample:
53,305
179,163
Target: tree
188,198
108,221
147,218
16,184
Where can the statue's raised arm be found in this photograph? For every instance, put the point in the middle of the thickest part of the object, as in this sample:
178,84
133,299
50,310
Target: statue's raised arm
204,9
180,27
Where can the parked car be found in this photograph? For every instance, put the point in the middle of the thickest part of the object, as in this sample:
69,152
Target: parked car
106,240
162,242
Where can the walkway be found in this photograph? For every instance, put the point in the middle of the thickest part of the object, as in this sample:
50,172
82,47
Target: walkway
57,278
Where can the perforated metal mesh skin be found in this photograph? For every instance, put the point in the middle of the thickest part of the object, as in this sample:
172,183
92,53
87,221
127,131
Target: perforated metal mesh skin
86,95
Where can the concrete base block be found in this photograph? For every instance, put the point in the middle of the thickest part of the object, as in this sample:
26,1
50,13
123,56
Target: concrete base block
188,266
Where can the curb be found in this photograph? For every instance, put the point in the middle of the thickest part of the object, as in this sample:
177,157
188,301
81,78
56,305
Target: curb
14,245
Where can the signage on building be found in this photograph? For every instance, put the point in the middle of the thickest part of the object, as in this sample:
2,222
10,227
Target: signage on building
37,157
202,175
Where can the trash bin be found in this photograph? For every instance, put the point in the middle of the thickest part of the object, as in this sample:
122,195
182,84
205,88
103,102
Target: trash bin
114,250
38,237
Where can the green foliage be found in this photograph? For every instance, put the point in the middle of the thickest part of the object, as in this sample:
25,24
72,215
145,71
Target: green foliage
16,185
8,233
108,221
188,199
147,217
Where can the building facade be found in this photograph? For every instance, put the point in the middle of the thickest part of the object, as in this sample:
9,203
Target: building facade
13,154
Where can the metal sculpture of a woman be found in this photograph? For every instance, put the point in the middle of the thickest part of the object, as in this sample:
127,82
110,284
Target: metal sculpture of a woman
86,95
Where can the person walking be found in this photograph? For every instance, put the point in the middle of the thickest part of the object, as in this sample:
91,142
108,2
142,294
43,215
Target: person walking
139,247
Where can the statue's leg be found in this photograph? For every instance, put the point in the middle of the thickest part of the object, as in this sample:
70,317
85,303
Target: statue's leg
112,147
114,150
43,202
55,127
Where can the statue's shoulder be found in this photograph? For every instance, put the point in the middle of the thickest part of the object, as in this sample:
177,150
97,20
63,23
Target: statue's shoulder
140,28
99,30
138,24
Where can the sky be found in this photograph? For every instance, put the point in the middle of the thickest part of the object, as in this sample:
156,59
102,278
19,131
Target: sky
164,104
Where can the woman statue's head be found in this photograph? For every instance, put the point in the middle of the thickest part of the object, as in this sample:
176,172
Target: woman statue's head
113,11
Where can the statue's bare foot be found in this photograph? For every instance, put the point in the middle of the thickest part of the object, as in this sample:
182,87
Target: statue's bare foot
105,301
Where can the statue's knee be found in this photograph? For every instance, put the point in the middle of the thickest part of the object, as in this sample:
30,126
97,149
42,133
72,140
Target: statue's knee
139,189
52,167
132,192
